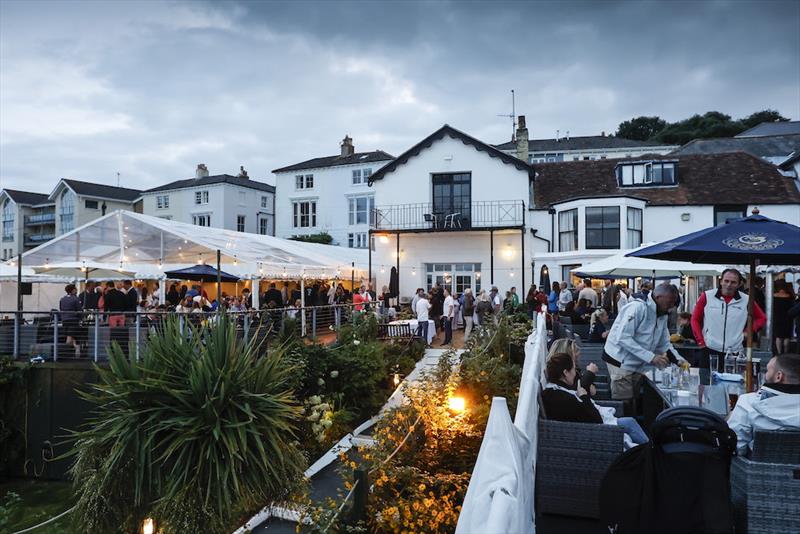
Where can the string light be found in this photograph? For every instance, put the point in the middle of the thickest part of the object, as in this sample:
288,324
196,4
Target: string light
199,259
47,263
383,270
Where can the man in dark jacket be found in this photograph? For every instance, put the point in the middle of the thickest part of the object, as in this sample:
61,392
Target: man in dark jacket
115,304
274,296
131,297
89,297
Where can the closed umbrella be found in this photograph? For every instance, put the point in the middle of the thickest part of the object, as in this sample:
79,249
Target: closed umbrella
544,278
394,283
754,239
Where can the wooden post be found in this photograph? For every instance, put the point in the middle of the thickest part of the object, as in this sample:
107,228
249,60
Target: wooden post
360,494
219,280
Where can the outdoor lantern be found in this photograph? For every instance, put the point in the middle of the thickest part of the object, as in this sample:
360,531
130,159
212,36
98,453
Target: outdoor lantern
384,239
413,272
396,379
148,526
457,405
383,270
47,263
509,252
478,274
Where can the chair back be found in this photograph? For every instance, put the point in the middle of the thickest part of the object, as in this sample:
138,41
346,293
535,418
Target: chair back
777,447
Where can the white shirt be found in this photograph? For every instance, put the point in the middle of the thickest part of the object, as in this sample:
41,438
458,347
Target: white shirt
449,306
496,302
423,306
589,294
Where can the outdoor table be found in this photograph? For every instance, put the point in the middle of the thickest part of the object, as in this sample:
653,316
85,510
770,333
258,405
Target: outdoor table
719,397
413,324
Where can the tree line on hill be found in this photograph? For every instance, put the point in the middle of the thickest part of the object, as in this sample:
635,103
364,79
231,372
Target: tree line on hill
710,124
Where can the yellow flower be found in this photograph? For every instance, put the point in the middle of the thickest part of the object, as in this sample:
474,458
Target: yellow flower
422,487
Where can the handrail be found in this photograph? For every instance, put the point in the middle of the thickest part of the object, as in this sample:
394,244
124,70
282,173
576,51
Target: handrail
430,216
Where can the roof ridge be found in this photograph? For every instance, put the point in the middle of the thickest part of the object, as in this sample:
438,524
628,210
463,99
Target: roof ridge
99,183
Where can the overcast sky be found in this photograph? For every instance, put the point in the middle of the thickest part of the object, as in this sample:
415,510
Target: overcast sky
149,89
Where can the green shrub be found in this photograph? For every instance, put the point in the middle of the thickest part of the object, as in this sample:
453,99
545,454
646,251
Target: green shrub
195,434
323,237
13,394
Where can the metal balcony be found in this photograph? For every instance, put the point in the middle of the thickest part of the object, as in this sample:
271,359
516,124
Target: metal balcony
427,217
38,239
42,218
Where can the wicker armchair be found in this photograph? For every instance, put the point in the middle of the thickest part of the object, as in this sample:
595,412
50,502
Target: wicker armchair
571,460
765,488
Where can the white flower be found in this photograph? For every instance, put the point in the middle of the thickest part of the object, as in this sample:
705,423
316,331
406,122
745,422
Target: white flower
327,423
315,399
334,374
320,382
356,342
314,416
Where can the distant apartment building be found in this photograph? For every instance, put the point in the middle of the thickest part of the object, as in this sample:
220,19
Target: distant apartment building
77,203
329,194
28,221
583,148
218,201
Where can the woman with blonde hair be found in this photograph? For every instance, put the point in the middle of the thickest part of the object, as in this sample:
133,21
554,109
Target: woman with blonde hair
597,326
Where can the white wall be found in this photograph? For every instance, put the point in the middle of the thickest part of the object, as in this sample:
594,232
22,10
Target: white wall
333,187
224,204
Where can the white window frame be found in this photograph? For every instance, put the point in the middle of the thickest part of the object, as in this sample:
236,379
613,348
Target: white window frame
263,226
353,211
204,218
201,197
298,216
303,181
264,201
162,202
357,240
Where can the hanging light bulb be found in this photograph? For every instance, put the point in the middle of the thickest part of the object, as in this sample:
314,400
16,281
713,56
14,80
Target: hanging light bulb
396,379
160,264
511,274
199,259
235,261
383,270
47,263
413,272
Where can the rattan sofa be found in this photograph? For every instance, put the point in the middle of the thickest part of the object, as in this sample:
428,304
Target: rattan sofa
765,488
571,460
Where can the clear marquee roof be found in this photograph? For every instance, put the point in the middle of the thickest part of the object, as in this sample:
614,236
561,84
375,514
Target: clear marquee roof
147,245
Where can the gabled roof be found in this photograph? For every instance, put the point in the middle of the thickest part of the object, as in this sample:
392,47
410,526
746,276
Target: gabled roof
335,161
790,160
770,146
216,179
89,189
449,131
26,198
703,179
772,128
589,142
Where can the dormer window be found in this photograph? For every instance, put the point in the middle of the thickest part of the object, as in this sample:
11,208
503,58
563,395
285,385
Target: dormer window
647,173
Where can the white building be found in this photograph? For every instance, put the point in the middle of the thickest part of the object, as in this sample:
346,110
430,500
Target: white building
582,148
465,214
77,203
28,221
219,201
329,194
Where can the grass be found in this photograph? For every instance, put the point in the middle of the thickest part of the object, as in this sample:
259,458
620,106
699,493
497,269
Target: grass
40,500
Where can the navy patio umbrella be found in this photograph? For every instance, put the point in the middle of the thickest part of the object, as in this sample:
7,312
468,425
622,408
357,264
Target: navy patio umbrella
754,240
201,273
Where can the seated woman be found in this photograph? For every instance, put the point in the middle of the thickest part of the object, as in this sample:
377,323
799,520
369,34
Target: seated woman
571,347
583,310
564,402
598,330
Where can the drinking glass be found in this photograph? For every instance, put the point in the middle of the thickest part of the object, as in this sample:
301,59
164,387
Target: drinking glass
713,362
693,383
666,379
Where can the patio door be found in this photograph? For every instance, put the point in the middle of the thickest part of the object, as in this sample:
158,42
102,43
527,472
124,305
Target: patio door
455,277
452,199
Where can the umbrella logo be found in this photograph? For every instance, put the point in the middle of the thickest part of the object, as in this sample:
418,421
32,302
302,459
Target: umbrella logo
753,241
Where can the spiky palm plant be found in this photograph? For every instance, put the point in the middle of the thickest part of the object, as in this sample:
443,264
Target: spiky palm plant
196,432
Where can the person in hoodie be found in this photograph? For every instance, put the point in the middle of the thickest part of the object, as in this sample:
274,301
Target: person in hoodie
776,406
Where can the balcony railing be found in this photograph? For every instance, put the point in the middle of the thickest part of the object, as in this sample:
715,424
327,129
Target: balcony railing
42,218
427,216
38,238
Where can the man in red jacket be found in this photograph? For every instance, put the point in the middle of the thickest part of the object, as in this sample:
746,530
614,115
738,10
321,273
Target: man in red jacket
720,318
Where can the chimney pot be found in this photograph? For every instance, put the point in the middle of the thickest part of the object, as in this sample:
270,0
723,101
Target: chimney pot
603,133
522,140
242,172
202,171
347,146
558,136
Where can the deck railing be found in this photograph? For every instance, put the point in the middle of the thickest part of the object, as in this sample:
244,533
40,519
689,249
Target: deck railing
429,216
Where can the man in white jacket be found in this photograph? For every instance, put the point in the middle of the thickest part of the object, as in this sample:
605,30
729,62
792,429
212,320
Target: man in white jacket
639,340
776,406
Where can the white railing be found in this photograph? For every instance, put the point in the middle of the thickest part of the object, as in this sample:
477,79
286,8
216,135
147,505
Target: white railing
500,498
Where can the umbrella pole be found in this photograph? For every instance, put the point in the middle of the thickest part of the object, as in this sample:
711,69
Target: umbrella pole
219,280
748,379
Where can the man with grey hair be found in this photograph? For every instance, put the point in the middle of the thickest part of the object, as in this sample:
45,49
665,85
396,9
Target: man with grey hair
639,340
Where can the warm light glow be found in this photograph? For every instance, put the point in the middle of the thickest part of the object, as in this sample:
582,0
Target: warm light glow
396,380
477,275
413,272
508,252
149,526
382,269
383,239
511,274
457,404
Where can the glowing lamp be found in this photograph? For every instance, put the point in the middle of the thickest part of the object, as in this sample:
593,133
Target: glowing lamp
456,404
148,526
383,239
396,380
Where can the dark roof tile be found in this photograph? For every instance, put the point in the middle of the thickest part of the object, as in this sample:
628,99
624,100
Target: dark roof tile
216,179
707,179
590,142
27,198
772,146
334,161
772,128
448,130
90,189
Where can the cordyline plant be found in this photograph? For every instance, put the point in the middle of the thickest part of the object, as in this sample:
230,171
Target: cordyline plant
195,434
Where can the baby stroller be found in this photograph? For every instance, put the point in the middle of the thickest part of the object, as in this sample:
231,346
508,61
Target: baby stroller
678,483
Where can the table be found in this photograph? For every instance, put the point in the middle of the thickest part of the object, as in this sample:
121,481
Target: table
413,324
714,396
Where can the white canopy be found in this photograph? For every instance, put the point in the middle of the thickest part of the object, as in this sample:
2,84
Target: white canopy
146,245
623,266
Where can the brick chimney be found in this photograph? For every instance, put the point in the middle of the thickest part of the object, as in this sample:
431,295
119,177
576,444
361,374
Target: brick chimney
347,147
202,171
522,139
